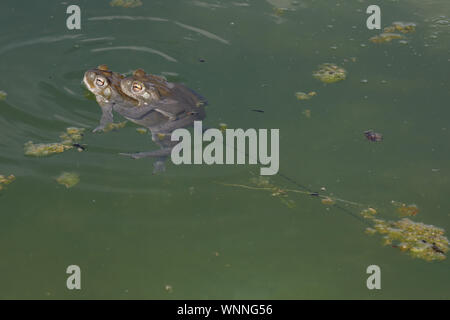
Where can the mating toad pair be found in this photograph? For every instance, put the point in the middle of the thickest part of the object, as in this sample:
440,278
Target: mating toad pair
147,100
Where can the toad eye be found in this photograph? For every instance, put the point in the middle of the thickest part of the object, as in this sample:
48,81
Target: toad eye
137,87
100,81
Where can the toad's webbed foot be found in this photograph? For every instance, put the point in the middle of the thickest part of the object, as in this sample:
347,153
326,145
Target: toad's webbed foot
99,129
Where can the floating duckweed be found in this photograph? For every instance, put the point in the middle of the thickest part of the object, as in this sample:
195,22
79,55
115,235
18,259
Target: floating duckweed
305,96
370,231
4,181
115,126
68,139
68,179
403,27
3,95
330,73
141,130
126,3
385,37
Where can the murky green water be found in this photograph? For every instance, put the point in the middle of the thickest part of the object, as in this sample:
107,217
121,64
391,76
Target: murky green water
182,234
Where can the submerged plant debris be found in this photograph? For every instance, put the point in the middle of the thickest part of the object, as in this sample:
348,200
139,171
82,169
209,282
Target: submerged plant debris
68,179
69,140
4,181
330,73
126,3
3,95
419,240
305,96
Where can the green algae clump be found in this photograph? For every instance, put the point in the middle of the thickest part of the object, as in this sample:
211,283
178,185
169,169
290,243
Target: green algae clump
68,179
419,240
69,140
141,130
3,95
330,73
305,96
4,181
44,149
403,27
385,37
126,3
115,126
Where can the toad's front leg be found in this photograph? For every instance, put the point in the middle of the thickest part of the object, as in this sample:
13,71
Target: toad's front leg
106,119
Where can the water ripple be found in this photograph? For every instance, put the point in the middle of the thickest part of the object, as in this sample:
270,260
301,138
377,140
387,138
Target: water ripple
38,40
134,48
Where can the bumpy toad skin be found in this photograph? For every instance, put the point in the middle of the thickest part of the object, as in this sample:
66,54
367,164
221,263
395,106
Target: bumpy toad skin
170,99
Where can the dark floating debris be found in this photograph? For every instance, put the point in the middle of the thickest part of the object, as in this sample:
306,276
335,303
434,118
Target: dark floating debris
257,110
373,136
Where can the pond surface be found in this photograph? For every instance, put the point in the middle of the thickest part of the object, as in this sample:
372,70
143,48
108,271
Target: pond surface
186,234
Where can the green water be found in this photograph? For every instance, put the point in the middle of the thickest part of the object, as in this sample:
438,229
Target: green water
181,234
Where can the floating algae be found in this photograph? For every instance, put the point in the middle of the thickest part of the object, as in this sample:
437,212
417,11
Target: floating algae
141,130
406,210
419,240
3,95
223,127
69,140
385,37
4,181
330,73
305,96
403,27
126,3
68,179
327,201
115,126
